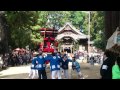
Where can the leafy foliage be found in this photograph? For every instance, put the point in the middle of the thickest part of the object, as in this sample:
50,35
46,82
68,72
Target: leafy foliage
24,25
20,23
97,29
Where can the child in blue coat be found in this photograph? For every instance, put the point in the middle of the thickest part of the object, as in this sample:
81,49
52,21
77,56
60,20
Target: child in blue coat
76,66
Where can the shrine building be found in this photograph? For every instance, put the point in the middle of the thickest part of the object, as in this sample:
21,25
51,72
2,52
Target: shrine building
71,39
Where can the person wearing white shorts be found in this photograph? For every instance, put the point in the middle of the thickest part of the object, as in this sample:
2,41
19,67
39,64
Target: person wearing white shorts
33,74
54,66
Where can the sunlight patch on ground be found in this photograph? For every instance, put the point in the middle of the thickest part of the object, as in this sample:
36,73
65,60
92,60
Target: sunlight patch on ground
15,70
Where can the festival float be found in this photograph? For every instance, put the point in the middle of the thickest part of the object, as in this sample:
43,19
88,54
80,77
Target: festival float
49,45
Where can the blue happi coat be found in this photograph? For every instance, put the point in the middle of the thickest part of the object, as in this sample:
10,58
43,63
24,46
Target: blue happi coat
40,63
54,62
33,65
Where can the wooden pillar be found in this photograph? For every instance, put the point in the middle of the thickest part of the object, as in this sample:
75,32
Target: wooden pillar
71,49
112,21
59,49
63,48
107,24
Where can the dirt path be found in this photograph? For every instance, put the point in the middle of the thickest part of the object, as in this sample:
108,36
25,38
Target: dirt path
21,72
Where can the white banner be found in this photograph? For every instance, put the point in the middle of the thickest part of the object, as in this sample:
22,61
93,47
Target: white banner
114,39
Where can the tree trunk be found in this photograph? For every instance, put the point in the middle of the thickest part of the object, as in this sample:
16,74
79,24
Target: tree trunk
3,34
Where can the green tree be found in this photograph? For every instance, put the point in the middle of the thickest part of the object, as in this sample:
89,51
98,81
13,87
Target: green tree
57,19
24,25
97,29
20,23
80,20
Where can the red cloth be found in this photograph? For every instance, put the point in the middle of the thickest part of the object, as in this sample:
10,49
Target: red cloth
45,38
48,44
52,38
48,50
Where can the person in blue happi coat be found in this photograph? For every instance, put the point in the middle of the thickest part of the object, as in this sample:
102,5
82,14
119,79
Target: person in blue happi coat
41,66
33,71
60,57
54,65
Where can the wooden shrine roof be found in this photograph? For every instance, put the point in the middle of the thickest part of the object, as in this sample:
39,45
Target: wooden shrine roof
75,34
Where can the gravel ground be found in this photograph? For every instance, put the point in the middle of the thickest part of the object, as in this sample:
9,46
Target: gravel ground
21,72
